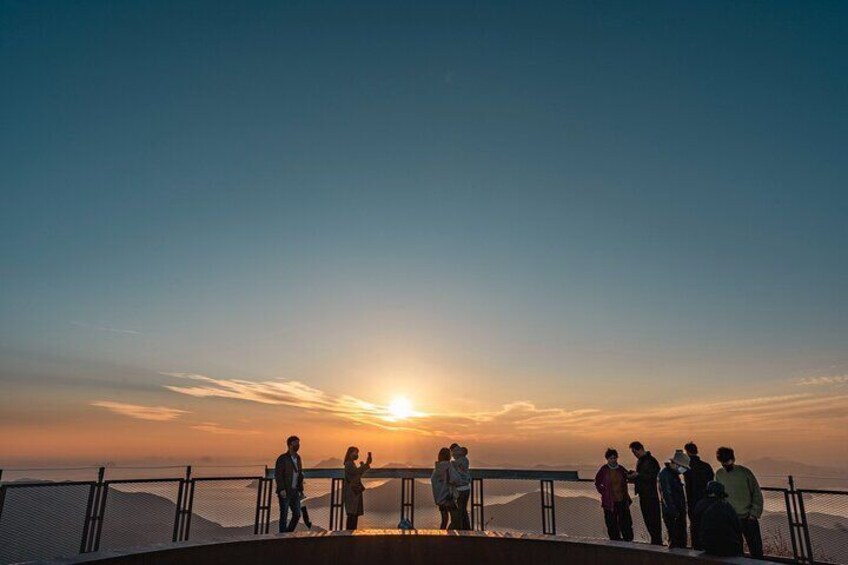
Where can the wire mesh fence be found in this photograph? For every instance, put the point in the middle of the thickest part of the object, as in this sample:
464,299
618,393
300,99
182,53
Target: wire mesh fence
139,513
42,521
223,507
826,514
48,519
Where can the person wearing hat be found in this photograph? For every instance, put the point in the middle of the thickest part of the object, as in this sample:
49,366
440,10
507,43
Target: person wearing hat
674,498
716,526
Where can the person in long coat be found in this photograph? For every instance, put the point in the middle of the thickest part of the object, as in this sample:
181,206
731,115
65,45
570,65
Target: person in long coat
353,487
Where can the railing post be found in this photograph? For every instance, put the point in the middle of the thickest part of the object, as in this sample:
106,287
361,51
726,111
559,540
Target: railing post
101,513
407,500
477,520
790,514
805,527
548,511
260,486
2,500
189,506
336,504
92,514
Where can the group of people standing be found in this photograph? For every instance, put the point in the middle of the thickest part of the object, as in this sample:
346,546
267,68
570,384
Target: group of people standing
722,507
451,483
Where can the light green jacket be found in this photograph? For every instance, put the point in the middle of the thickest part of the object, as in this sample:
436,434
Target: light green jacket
743,490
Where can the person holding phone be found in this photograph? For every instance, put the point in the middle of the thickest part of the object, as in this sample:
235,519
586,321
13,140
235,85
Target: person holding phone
444,481
353,486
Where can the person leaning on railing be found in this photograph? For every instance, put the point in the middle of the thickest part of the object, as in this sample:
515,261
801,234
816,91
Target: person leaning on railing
353,486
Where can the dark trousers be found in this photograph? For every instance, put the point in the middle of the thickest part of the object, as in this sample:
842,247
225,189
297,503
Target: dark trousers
287,504
650,506
352,522
452,513
753,538
462,502
676,526
619,521
694,525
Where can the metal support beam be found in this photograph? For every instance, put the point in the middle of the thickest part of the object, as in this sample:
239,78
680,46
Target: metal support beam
548,510
336,504
407,500
478,522
92,513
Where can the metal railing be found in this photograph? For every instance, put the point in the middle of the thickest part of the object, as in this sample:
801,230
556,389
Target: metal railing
51,519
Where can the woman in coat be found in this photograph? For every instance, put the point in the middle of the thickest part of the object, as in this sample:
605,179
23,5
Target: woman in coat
353,487
444,480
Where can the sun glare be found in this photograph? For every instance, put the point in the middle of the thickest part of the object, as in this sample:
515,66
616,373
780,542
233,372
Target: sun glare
400,408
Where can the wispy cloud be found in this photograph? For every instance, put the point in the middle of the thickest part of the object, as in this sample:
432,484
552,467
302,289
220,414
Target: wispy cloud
794,413
213,428
823,381
154,413
105,328
295,394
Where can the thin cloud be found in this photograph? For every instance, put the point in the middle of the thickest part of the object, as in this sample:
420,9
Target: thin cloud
105,328
794,413
213,428
823,381
152,413
295,394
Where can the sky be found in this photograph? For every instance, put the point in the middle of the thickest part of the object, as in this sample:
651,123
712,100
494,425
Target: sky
549,228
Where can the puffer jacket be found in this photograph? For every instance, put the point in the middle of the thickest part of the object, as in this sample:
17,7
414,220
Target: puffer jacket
444,480
461,465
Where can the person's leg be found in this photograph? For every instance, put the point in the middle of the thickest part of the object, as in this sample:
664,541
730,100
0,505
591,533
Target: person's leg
444,523
611,520
351,522
650,507
465,520
294,505
625,521
670,528
694,524
284,511
680,530
753,537
455,518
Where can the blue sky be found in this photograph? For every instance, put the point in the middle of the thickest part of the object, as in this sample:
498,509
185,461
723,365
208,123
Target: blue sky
577,204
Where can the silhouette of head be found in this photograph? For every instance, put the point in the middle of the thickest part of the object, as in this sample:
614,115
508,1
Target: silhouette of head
726,457
444,454
637,449
293,443
352,454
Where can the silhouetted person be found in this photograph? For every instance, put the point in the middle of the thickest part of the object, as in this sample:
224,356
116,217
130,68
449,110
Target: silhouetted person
696,478
444,480
718,530
611,482
674,498
744,494
463,488
353,487
288,474
645,481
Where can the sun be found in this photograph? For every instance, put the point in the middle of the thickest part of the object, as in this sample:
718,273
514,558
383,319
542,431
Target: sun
400,408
